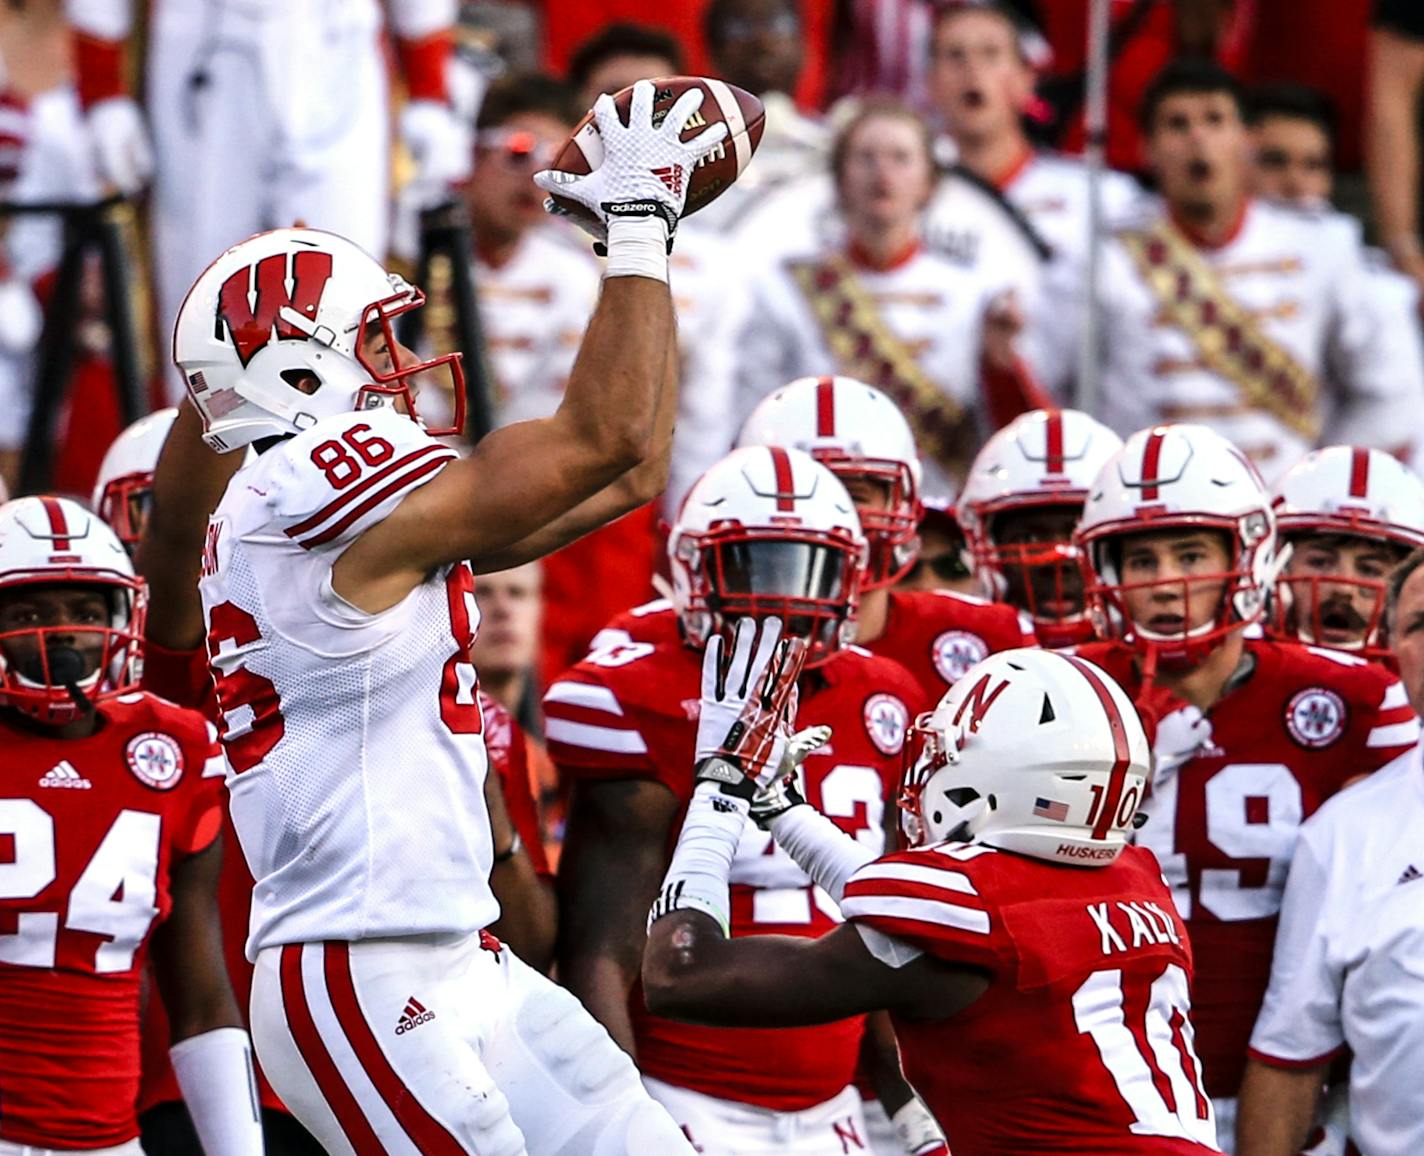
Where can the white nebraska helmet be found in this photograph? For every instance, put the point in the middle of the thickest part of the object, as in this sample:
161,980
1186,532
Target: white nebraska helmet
1348,491
48,541
857,432
767,531
269,338
1045,458
124,487
1031,751
1179,477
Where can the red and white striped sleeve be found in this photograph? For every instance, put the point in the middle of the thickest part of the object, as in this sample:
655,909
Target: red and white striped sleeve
341,478
1394,727
927,900
588,732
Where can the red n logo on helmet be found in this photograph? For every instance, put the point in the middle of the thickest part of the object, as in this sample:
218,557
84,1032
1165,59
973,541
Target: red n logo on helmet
977,702
251,300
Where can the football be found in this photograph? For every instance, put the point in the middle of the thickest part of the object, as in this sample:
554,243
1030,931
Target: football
742,112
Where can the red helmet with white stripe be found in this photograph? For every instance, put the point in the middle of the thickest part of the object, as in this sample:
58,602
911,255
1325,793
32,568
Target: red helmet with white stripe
1334,494
294,325
49,649
1033,752
1178,477
768,531
1020,503
862,437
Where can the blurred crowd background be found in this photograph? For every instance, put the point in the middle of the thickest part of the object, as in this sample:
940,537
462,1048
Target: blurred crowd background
918,216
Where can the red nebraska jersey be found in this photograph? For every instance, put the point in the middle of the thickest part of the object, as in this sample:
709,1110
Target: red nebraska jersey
1083,1042
509,759
629,711
182,676
90,830
937,636
1224,826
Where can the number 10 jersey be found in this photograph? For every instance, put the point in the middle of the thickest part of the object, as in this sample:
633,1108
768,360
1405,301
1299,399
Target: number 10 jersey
355,739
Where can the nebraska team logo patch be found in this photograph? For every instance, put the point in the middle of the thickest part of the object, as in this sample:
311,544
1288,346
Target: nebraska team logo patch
886,721
955,651
1316,717
156,760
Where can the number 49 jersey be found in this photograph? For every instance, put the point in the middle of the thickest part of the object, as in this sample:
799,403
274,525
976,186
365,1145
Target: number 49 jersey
1083,1042
90,830
1224,826
629,711
355,739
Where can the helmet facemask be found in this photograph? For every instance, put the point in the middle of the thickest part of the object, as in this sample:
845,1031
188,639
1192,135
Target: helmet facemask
891,528
959,812
398,386
125,506
1336,610
54,673
1041,573
807,578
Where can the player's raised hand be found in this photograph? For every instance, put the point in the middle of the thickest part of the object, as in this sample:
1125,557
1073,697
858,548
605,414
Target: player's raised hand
646,165
748,704
783,791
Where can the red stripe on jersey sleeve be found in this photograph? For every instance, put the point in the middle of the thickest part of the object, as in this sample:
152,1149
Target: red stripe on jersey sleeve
407,481
306,525
1392,730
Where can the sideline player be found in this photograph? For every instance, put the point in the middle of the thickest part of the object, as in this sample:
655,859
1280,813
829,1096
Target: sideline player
1349,515
862,437
1180,539
1035,969
1019,507
110,820
340,606
765,532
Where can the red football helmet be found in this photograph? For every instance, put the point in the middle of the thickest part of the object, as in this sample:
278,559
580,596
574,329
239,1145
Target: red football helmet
54,542
768,531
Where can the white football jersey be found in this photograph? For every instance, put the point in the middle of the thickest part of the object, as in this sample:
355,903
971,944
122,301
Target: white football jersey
1052,192
1348,970
355,740
1302,277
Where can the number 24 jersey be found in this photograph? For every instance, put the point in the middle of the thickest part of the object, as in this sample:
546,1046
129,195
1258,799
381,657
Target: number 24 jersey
355,739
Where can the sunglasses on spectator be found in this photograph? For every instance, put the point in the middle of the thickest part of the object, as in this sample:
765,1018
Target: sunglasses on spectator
946,567
517,146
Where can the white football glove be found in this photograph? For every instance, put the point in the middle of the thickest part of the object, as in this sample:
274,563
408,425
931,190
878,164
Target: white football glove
783,790
440,145
1180,735
646,169
748,696
119,143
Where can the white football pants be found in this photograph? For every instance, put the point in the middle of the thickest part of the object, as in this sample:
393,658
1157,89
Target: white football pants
264,114
435,1044
731,1128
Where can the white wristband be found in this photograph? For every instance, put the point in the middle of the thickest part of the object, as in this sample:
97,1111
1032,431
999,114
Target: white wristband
917,1129
214,1071
637,247
697,876
820,848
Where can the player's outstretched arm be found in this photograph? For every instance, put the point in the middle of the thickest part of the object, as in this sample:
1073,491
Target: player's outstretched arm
211,1052
615,849
188,483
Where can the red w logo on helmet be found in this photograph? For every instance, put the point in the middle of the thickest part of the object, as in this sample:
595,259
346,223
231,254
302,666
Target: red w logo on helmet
251,300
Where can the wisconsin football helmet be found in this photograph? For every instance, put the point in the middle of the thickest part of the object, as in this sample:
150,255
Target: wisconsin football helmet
48,542
1021,499
1178,477
768,531
1342,492
861,436
271,339
1033,752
